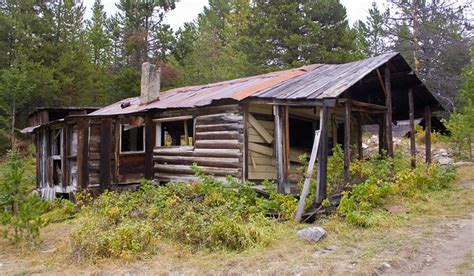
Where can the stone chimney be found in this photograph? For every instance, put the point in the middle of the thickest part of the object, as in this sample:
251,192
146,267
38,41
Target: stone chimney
150,84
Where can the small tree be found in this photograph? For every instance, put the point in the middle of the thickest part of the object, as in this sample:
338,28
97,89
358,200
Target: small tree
20,210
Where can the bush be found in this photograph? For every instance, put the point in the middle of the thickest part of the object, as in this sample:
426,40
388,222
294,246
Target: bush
202,215
386,178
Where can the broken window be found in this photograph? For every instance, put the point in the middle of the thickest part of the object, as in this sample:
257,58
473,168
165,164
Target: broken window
132,138
56,150
301,133
174,132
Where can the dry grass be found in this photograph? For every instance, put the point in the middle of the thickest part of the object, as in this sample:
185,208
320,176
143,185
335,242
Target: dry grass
347,248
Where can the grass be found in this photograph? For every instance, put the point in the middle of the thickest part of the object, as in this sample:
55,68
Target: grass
361,251
467,266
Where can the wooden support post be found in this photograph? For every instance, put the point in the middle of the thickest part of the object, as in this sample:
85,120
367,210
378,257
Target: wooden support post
245,159
321,180
279,143
83,153
150,137
428,134
359,137
382,134
411,105
388,116
286,132
308,176
64,154
347,141
105,153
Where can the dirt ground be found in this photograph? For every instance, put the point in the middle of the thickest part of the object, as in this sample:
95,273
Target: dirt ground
434,237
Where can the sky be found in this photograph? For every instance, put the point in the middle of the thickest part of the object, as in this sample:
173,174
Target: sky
188,10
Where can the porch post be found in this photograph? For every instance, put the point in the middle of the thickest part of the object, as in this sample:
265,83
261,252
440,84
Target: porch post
428,133
280,148
150,134
105,153
359,137
83,153
321,180
347,141
412,128
382,145
388,117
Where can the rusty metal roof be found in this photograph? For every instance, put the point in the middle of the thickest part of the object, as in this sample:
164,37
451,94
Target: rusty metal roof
326,81
311,83
202,95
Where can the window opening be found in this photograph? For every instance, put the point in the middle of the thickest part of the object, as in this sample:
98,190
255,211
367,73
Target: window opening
132,139
175,133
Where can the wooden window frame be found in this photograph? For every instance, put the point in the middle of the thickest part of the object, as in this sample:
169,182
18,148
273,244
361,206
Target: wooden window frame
158,141
135,151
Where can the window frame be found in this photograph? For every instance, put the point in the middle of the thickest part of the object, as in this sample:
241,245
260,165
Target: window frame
134,151
158,129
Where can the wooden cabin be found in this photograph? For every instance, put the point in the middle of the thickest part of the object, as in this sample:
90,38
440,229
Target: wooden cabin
251,128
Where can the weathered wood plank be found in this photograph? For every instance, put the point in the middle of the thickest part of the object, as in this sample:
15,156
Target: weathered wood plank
388,116
201,161
105,153
150,137
218,127
261,149
260,129
219,144
218,135
428,134
347,141
308,176
321,180
183,169
83,153
189,151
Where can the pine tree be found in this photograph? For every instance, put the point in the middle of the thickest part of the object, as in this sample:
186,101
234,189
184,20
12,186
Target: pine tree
98,39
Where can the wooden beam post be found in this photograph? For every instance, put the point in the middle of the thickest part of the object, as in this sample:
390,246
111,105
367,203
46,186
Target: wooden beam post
347,141
83,153
150,137
105,153
428,133
308,176
321,180
359,137
280,148
286,140
382,140
411,105
388,116
245,159
64,154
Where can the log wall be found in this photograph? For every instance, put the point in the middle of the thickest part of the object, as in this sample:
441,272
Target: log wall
217,150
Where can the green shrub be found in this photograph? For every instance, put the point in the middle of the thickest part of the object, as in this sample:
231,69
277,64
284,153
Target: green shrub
385,178
20,210
208,214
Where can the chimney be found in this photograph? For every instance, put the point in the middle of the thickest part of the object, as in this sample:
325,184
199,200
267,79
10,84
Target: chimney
150,84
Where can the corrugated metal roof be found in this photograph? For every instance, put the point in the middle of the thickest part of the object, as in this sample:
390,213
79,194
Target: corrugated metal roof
201,95
326,81
312,82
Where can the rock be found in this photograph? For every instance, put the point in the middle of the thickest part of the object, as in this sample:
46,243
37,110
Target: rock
443,152
386,265
364,146
462,163
314,233
397,209
444,160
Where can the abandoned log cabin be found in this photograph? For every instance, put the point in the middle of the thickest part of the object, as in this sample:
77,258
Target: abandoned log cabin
252,128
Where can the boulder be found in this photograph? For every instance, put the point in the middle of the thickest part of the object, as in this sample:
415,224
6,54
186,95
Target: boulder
442,160
313,234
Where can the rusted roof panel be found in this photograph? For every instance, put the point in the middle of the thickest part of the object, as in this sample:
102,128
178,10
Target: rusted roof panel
326,81
201,95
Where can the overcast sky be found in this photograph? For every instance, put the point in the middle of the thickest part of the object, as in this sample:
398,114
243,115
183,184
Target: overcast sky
187,10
